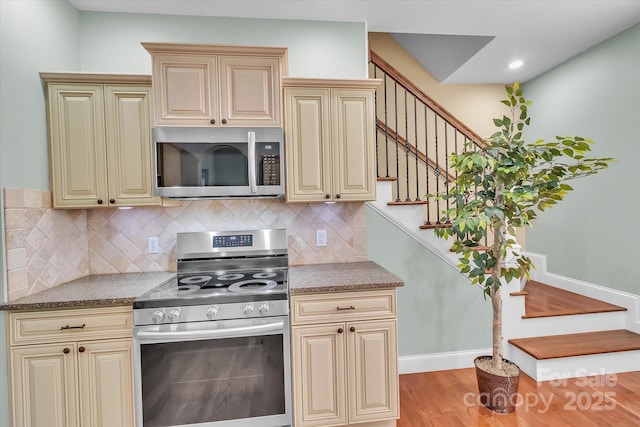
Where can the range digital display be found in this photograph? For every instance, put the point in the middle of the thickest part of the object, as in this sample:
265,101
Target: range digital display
236,240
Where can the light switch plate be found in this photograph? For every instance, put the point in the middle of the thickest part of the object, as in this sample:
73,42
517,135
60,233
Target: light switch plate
321,237
153,246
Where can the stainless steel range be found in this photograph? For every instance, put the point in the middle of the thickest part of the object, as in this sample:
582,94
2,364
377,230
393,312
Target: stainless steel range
211,346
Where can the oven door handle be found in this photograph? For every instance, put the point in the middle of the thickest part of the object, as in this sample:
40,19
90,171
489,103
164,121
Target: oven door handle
212,333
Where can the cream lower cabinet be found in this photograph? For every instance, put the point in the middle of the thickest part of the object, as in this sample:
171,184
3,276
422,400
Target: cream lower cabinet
65,375
345,372
330,139
100,140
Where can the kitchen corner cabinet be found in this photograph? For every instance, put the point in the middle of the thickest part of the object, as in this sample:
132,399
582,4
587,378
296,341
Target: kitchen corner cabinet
71,368
344,359
217,85
99,140
330,140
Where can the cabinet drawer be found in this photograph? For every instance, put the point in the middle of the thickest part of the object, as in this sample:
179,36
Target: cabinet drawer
75,324
364,305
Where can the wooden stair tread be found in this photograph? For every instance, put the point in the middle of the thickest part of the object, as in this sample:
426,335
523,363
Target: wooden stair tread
435,225
545,301
570,345
387,178
411,202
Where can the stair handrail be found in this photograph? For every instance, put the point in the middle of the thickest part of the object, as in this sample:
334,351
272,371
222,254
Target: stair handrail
426,99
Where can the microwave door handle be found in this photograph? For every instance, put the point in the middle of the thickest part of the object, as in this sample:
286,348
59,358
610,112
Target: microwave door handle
252,163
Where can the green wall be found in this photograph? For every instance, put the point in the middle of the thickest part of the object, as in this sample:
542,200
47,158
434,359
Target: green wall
51,35
593,235
35,35
111,41
438,309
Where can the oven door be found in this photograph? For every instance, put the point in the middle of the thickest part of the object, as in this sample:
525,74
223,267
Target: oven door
226,373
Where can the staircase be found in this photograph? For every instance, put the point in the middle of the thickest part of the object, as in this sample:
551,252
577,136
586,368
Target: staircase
554,327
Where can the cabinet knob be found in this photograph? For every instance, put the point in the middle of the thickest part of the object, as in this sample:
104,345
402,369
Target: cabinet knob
340,330
99,201
224,121
327,196
112,201
337,196
66,350
352,329
212,121
81,349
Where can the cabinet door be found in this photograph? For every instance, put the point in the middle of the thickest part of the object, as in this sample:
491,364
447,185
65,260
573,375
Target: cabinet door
308,138
43,386
372,371
77,145
250,91
186,89
353,133
106,387
318,367
128,136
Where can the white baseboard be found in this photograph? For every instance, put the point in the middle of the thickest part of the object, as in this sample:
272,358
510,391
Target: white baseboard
439,361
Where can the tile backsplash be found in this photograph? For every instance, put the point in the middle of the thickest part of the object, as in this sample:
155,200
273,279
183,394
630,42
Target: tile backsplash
47,247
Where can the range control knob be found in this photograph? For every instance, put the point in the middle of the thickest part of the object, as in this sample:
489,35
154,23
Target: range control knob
173,315
248,310
264,309
157,316
212,313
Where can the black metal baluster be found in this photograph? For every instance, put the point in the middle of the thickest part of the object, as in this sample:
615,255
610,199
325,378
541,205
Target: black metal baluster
426,154
395,98
386,126
437,168
406,145
446,167
375,121
415,130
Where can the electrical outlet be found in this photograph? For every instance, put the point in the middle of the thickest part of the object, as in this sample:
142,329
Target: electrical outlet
153,246
321,237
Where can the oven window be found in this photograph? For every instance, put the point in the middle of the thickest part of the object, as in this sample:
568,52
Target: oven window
212,380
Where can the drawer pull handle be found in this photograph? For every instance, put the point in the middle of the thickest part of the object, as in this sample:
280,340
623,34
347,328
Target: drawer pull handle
81,349
340,330
346,308
62,328
352,329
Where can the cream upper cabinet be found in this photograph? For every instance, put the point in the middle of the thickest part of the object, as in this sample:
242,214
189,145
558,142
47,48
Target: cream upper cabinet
71,368
344,359
330,139
214,85
99,140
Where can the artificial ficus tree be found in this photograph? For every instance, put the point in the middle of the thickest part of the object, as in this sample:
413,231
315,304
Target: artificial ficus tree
503,184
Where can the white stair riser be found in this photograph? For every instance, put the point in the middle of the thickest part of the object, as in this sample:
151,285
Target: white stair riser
578,366
560,325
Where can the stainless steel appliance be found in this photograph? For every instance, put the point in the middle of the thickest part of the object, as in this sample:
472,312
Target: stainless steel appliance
194,162
212,346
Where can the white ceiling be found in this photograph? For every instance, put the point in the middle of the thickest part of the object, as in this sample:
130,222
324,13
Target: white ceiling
458,41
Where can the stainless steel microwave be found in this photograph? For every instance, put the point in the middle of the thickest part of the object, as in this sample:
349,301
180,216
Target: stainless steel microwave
197,162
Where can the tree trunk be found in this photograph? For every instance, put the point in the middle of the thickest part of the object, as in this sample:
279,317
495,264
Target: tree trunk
496,300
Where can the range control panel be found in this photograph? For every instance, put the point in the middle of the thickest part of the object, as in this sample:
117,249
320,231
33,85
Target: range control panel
232,241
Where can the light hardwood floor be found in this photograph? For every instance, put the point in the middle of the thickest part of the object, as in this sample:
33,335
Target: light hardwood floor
450,399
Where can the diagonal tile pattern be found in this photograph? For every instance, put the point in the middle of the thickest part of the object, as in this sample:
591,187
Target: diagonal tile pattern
47,247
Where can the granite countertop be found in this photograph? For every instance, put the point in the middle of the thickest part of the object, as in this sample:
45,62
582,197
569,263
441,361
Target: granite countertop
91,291
340,277
123,288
